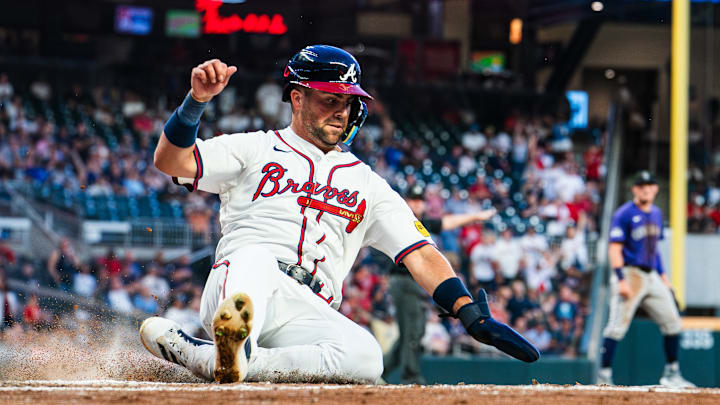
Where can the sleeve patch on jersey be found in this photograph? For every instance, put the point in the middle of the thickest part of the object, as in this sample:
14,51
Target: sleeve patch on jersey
421,228
616,232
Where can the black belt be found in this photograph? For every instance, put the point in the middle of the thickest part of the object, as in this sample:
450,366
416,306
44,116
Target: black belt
302,276
646,269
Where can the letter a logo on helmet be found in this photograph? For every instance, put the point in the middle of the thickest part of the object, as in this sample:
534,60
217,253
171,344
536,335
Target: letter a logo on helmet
325,68
350,74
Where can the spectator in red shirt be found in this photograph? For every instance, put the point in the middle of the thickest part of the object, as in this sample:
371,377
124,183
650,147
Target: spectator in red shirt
112,265
365,281
696,215
714,214
470,236
479,190
6,254
593,158
33,315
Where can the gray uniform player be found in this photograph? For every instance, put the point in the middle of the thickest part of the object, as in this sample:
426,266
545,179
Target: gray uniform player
639,280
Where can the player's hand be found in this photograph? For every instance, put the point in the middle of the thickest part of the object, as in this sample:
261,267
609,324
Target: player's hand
667,282
485,215
624,289
478,321
209,78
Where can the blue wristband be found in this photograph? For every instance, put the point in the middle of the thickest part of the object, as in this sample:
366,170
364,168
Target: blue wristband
619,273
191,110
182,127
448,292
179,133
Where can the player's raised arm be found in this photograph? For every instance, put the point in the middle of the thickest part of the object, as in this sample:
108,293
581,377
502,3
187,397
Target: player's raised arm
453,221
174,152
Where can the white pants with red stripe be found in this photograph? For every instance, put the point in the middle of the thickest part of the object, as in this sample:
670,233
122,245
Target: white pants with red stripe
299,335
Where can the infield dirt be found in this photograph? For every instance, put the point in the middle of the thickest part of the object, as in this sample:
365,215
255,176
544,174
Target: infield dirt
112,368
117,392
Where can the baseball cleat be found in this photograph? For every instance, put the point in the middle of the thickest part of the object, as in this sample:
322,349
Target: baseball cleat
164,339
231,327
673,379
604,376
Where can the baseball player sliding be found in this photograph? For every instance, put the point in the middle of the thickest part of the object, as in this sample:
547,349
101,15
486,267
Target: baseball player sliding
639,279
295,209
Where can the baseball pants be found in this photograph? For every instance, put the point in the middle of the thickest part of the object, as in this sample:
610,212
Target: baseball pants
297,334
649,292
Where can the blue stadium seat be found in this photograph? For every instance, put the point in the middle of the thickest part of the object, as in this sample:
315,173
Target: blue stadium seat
133,207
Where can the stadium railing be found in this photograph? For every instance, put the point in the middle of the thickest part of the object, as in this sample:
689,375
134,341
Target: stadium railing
131,232
599,291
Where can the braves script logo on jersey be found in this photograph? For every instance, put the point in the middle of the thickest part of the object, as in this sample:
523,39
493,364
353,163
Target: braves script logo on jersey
270,185
350,74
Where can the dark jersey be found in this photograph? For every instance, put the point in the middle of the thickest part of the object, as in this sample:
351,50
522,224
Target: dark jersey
639,232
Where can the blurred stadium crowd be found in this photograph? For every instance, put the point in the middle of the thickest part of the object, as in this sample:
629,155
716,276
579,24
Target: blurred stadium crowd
89,151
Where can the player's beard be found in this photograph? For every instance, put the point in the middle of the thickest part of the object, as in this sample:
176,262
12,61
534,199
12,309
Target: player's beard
320,132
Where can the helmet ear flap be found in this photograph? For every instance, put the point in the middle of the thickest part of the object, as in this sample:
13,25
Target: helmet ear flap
286,92
358,114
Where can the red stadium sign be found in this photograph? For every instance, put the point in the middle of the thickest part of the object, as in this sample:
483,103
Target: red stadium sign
214,23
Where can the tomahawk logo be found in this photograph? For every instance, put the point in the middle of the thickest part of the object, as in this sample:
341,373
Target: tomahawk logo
351,74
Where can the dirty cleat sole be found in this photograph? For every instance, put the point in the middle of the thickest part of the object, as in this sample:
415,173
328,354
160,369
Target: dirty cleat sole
231,327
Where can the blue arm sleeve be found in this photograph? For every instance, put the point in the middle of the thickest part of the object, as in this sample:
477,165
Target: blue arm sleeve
658,263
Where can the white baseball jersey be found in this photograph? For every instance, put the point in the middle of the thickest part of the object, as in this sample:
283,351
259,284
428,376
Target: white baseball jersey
307,207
